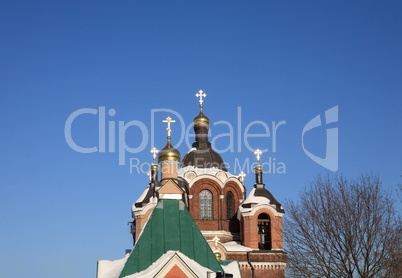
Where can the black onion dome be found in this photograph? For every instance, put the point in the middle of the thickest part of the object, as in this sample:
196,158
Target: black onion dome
203,158
202,155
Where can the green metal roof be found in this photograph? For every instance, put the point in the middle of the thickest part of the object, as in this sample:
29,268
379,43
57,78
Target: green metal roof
170,227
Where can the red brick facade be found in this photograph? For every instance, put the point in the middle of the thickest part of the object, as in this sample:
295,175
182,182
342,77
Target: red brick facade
250,232
219,221
243,228
175,272
142,219
257,263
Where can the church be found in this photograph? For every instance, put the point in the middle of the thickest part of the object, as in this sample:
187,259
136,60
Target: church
195,218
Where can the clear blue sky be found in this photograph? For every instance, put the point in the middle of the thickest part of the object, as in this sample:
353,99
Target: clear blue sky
61,210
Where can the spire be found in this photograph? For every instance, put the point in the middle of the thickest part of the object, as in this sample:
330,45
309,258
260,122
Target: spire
242,175
259,188
151,194
201,94
169,157
201,122
154,170
202,155
154,151
258,170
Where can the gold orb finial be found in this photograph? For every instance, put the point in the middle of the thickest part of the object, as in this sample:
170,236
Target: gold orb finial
258,168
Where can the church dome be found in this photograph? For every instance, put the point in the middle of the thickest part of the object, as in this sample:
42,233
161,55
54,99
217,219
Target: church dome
201,155
203,158
201,120
168,153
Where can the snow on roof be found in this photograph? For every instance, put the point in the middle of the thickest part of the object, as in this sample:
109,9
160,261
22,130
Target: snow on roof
170,227
232,268
152,200
110,269
191,150
154,268
233,246
142,195
252,199
202,171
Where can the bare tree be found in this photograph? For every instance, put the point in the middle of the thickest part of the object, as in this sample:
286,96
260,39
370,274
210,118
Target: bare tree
342,228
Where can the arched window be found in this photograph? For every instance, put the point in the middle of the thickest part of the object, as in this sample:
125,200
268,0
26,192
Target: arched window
264,232
230,206
206,205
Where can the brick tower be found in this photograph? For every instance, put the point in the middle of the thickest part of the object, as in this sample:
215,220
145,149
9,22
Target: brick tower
247,230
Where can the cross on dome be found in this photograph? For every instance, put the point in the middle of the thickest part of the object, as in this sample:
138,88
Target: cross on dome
216,240
154,151
242,175
168,121
201,94
258,154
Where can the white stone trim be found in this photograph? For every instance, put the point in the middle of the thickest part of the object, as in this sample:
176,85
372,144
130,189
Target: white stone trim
192,174
189,176
214,233
204,176
171,196
237,181
221,175
263,265
251,211
270,265
144,210
175,260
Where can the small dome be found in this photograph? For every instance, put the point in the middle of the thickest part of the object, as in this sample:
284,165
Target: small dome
201,120
168,153
202,155
258,169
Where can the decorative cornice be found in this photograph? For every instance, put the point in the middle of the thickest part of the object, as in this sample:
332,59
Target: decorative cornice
144,209
214,233
253,210
263,265
221,183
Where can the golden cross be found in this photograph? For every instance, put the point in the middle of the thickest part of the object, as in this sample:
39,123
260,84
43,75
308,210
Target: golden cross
216,240
154,151
242,175
168,121
201,94
258,154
